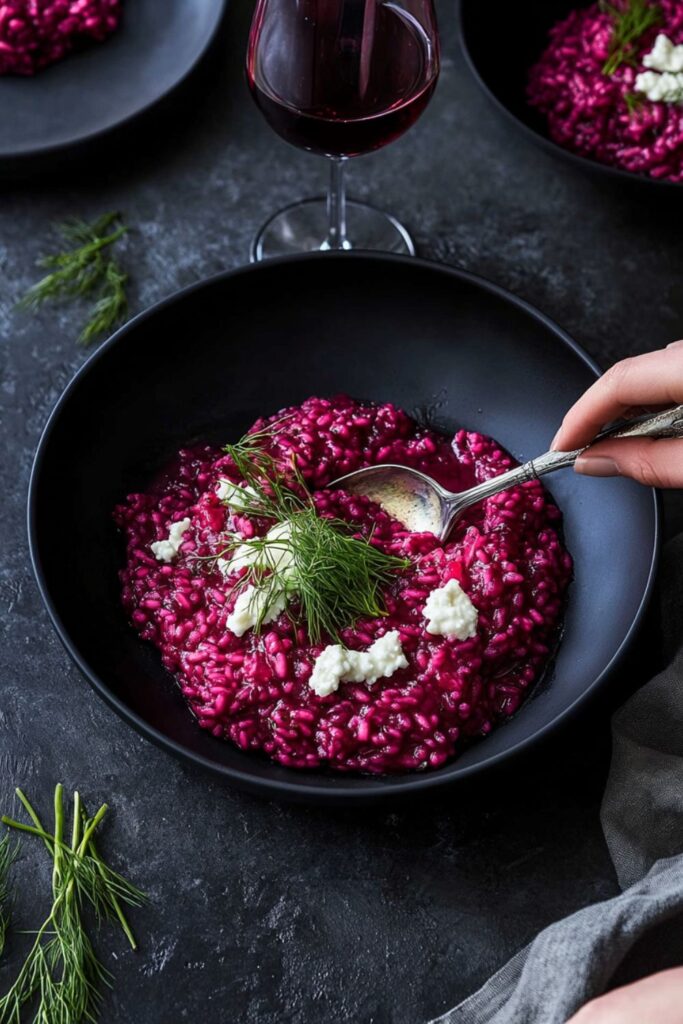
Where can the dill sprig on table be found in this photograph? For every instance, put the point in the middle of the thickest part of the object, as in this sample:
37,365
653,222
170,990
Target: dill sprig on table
336,575
61,978
631,18
86,269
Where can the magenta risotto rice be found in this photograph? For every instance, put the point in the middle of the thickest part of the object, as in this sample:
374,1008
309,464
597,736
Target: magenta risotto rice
610,115
441,674
35,33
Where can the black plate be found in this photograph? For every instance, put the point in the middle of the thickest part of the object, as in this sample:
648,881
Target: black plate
106,84
502,41
207,361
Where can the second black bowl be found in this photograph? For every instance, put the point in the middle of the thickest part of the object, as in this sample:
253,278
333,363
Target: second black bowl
502,41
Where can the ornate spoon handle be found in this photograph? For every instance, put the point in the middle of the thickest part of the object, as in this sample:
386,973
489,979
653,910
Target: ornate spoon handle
668,423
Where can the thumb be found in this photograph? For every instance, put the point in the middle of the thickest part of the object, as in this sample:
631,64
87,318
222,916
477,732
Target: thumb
650,461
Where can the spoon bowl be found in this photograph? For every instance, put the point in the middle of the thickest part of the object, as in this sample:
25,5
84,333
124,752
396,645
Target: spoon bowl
411,497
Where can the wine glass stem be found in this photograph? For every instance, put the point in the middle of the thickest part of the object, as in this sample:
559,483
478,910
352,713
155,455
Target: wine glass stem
336,206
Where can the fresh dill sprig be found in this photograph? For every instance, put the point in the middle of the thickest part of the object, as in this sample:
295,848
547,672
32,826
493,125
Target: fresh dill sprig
272,492
61,973
631,18
85,269
110,308
8,854
335,575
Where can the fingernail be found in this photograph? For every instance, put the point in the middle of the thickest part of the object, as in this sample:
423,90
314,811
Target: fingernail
554,440
596,465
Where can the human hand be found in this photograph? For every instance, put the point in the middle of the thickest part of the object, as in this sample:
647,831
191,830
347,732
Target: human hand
654,1000
652,380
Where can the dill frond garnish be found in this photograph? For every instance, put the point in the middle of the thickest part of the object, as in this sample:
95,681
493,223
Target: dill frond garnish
634,103
61,977
631,18
333,575
85,269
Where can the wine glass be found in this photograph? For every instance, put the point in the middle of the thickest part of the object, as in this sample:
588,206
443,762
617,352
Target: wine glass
340,78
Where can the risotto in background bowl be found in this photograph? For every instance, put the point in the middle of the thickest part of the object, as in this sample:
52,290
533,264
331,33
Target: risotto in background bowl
550,81
438,362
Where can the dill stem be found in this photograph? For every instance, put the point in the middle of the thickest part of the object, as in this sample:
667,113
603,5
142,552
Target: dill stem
89,830
118,910
23,827
34,818
58,833
76,826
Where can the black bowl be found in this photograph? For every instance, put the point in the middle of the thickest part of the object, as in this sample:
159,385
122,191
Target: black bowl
502,41
206,362
73,103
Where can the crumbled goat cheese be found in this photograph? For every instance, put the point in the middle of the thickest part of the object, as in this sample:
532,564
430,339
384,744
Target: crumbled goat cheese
229,492
249,609
664,55
331,666
664,83
276,557
336,665
166,550
449,612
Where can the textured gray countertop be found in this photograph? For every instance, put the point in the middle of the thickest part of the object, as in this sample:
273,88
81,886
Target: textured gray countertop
266,913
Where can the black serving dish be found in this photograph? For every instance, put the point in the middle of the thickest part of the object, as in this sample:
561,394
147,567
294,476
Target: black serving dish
204,363
502,41
71,105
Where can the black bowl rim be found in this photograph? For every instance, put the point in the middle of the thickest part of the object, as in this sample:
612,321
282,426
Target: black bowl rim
55,148
298,788
546,143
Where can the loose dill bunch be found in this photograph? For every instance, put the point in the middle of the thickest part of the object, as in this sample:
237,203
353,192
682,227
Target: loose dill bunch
61,977
631,18
335,575
85,269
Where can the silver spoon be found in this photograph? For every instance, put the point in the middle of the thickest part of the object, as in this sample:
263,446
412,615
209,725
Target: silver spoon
422,504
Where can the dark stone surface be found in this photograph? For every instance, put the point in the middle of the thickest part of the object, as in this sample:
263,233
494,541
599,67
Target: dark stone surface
286,914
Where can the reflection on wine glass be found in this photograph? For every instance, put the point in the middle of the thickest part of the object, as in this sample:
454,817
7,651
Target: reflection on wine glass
340,78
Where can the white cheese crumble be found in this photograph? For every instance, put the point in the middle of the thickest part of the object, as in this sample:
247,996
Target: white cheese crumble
229,492
449,612
664,55
336,665
276,557
664,83
251,602
166,550
249,607
331,666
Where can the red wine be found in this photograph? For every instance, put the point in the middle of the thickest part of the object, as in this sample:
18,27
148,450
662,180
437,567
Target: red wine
341,79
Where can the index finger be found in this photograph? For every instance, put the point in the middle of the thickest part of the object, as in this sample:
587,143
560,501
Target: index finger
655,378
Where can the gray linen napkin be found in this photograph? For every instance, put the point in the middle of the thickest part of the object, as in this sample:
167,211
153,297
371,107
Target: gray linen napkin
577,958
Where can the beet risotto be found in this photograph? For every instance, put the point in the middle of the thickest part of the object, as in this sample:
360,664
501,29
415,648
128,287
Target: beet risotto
610,84
435,643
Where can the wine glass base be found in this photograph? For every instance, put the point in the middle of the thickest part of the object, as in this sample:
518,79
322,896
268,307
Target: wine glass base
303,227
